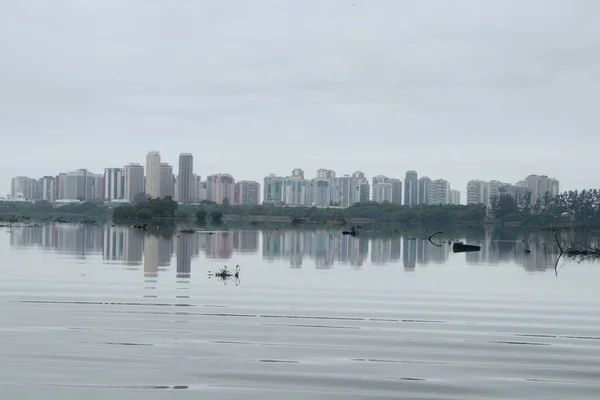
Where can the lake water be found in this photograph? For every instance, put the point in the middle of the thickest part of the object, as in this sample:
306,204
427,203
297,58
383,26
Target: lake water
91,312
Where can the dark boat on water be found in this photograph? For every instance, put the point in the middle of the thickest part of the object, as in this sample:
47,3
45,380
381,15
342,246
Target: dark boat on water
460,247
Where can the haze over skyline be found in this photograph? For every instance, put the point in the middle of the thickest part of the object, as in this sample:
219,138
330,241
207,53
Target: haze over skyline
455,90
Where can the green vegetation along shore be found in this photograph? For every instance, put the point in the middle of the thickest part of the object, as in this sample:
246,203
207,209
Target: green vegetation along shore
569,208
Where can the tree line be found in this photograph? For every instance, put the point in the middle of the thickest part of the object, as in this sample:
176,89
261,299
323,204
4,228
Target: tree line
570,207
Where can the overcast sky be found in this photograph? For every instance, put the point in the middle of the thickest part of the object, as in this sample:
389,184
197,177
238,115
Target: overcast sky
457,90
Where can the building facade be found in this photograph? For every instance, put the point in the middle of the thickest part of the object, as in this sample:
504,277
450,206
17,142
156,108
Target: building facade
246,193
153,173
220,188
167,184
185,178
133,175
273,189
411,188
114,184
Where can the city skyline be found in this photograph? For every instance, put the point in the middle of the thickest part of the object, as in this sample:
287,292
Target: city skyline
472,100
326,188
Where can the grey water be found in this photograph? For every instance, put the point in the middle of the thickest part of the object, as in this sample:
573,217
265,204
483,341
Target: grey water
103,312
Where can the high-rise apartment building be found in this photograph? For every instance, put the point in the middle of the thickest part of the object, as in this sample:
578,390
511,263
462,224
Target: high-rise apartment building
440,192
411,188
94,187
334,185
76,185
22,186
166,180
386,189
382,192
185,178
220,187
396,190
320,192
540,185
153,173
114,184
246,193
134,181
477,192
273,189
48,188
296,189
454,197
424,189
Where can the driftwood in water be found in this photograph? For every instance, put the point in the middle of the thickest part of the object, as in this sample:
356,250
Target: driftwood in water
460,247
224,274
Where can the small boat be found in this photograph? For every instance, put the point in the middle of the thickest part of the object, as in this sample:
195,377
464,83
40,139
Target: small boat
460,247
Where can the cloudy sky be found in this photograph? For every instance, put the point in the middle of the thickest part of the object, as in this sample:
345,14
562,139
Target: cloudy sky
457,90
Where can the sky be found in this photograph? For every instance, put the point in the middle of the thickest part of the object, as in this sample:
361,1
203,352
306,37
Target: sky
459,90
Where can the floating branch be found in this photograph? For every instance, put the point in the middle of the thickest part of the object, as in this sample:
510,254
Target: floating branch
432,235
224,274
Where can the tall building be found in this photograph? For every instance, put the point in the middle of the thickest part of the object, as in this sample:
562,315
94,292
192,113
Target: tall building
114,184
60,184
22,186
185,178
134,181
440,192
296,189
540,185
354,189
387,189
477,192
203,191
94,187
454,197
220,187
153,172
334,187
411,188
396,190
320,192
273,189
424,189
196,188
246,193
382,192
48,188
76,185
166,180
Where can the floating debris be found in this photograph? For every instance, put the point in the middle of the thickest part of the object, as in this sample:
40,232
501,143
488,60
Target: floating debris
460,247
225,275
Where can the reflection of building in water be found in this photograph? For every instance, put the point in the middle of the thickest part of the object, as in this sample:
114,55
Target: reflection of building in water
428,253
151,251
133,247
114,243
322,247
272,244
77,240
409,253
165,251
245,241
293,247
353,250
219,245
184,247
386,249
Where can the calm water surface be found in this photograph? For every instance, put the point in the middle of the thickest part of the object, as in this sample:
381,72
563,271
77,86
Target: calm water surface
113,313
